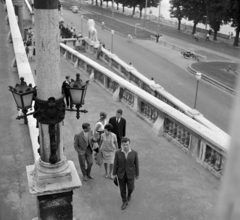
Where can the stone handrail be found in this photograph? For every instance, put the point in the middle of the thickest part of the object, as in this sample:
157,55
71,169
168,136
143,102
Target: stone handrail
205,145
28,6
132,75
21,65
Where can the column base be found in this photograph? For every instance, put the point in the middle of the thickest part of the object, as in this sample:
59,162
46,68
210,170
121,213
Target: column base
56,180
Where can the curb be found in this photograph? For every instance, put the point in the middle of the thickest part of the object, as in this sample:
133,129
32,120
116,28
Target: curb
213,82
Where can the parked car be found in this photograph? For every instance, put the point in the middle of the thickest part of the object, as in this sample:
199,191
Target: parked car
74,9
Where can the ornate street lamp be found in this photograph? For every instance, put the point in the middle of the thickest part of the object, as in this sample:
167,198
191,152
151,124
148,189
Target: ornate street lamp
49,111
23,96
78,91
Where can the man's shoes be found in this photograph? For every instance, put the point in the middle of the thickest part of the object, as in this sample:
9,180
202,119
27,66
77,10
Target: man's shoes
129,198
85,178
124,205
90,177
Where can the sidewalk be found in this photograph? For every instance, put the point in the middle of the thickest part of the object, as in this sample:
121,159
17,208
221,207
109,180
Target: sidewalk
171,184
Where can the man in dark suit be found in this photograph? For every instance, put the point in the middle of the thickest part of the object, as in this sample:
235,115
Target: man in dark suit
126,167
65,90
119,126
83,143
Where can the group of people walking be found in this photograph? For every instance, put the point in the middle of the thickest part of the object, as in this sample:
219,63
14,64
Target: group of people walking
109,140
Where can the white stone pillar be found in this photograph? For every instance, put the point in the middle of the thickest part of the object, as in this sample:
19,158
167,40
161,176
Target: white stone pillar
52,178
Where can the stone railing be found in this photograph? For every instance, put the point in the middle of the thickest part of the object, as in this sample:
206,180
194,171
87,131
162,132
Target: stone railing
205,145
132,75
21,65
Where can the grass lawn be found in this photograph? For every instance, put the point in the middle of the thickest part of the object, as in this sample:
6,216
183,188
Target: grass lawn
119,26
219,71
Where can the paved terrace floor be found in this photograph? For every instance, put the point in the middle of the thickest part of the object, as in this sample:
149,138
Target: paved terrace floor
171,184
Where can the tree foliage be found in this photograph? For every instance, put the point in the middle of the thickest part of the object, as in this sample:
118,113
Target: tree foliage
215,15
177,10
232,16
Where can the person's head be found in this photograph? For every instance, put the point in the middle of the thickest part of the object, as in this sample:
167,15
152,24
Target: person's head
68,78
119,113
103,116
86,127
125,144
107,128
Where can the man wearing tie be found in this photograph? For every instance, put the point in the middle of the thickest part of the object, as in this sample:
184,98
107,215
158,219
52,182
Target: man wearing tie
126,168
119,126
83,143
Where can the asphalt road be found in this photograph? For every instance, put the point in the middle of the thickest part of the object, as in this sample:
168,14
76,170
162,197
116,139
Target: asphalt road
219,46
168,70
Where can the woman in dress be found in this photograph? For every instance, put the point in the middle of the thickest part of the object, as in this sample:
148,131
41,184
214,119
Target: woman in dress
108,148
99,127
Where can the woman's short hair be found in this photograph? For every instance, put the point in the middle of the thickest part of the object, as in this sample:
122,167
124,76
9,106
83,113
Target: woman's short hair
108,127
103,115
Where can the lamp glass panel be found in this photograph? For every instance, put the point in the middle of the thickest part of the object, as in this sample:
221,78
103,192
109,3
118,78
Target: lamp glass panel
76,95
27,100
18,100
84,94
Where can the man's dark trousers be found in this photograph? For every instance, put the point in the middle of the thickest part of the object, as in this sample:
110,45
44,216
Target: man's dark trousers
125,183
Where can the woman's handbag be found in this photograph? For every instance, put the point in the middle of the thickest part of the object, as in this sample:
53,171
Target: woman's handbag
99,159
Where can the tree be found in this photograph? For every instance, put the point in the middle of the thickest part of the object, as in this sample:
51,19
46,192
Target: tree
194,10
176,11
215,15
232,15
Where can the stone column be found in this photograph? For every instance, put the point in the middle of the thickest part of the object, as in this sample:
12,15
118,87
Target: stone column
52,178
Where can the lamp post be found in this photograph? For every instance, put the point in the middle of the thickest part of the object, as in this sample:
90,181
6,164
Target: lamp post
81,24
198,77
112,33
145,14
159,13
113,9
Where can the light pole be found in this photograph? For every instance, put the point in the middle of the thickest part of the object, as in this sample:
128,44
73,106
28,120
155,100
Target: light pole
112,33
159,13
82,24
198,77
145,14
113,9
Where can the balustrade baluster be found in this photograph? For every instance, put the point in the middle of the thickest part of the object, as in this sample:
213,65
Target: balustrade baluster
182,136
187,140
178,133
175,130
170,128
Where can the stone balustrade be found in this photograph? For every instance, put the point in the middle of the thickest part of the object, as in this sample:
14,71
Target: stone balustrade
21,65
206,145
